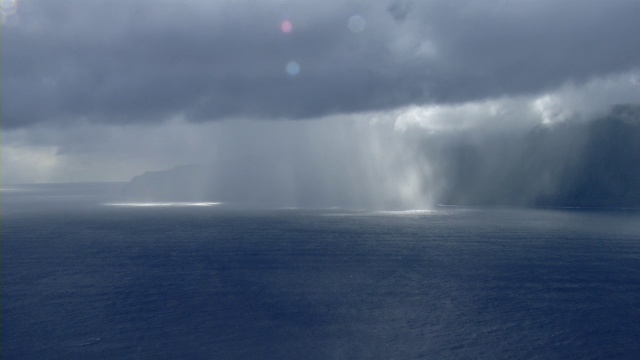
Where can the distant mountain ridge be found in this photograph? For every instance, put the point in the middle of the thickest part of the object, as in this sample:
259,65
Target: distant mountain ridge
249,181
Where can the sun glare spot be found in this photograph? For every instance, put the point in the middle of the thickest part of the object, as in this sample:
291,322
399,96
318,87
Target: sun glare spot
286,26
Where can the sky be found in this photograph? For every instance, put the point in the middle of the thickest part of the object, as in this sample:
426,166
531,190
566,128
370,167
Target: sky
106,90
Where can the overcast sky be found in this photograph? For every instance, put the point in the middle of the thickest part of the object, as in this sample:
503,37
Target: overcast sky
104,90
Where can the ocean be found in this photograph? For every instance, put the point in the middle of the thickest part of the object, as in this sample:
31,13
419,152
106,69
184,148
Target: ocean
86,276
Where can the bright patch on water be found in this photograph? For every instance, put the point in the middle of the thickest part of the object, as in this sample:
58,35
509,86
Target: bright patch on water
411,212
163,204
399,213
12,190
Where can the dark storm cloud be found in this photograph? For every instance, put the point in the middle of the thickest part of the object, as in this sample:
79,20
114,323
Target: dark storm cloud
144,61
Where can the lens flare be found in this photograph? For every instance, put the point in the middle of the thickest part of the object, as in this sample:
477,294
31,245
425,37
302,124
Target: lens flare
293,68
286,26
356,23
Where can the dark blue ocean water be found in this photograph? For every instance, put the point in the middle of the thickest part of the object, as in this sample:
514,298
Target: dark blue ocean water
82,280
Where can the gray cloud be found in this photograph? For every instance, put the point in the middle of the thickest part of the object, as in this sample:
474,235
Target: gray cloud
121,62
400,9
